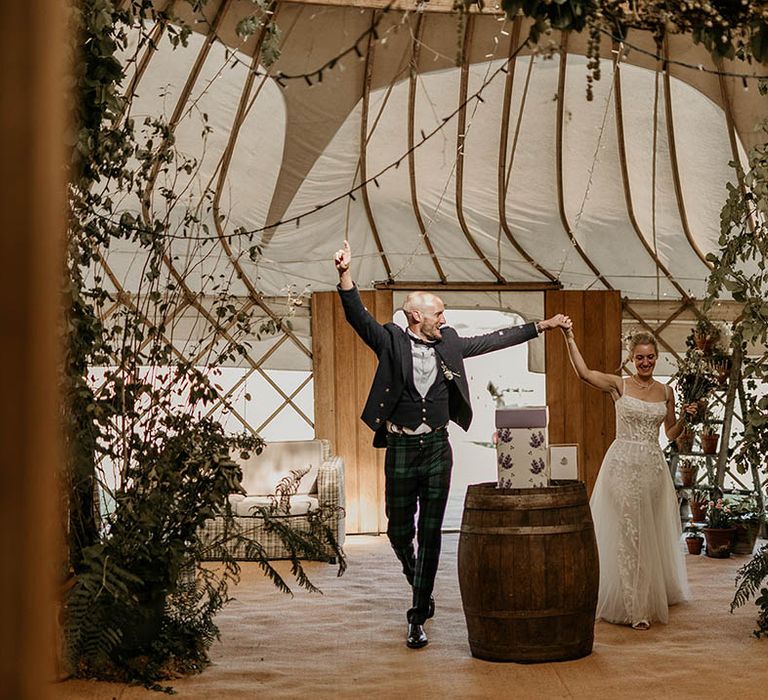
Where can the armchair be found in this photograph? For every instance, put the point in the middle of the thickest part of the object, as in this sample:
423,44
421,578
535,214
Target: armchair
322,485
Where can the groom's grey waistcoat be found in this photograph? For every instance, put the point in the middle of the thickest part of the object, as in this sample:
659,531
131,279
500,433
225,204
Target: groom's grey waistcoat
395,369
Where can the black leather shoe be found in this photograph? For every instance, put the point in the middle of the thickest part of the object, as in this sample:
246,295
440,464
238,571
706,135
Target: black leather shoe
417,638
431,610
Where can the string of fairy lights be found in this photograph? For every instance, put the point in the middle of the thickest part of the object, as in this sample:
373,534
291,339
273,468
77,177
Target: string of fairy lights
373,33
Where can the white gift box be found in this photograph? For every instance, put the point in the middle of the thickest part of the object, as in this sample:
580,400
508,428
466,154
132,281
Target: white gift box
522,447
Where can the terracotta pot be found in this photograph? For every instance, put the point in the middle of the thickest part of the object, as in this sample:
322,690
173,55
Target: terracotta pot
709,443
687,475
746,535
698,511
684,442
694,544
719,541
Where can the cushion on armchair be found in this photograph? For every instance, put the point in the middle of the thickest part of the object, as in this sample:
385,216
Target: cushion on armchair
262,473
299,504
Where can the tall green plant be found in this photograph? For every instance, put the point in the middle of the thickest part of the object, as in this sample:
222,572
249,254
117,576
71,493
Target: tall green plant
740,269
139,602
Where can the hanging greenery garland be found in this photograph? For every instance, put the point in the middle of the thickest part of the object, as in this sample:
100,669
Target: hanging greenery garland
728,29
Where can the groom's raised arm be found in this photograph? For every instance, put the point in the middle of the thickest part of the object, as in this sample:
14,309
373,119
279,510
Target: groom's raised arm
507,337
365,325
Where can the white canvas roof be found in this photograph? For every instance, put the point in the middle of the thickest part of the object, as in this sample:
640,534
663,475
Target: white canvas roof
623,192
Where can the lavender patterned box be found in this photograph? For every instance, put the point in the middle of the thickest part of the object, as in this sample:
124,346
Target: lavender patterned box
522,452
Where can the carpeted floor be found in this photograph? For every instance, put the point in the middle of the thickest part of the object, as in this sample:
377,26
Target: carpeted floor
349,643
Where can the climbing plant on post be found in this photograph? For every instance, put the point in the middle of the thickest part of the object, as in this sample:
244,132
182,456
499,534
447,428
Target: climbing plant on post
740,270
147,466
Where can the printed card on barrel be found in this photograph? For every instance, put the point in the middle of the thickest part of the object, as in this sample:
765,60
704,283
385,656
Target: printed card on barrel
522,447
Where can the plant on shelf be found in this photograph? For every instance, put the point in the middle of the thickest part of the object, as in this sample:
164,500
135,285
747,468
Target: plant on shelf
747,518
694,540
704,335
687,468
684,441
709,433
719,531
699,502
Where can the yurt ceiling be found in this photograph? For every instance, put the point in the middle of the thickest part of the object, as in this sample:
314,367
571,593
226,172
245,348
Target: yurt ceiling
494,176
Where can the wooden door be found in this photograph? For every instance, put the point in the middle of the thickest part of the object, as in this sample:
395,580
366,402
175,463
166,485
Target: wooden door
343,371
578,413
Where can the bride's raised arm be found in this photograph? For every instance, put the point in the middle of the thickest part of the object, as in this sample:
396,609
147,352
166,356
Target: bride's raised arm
600,380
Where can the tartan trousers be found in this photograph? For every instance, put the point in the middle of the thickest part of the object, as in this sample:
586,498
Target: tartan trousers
417,474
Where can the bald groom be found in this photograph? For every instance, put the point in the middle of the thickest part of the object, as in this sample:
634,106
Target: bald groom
420,385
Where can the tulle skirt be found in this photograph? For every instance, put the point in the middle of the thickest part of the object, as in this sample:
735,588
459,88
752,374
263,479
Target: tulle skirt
637,525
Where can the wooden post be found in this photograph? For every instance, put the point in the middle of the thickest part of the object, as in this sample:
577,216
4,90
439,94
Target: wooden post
32,206
343,368
730,400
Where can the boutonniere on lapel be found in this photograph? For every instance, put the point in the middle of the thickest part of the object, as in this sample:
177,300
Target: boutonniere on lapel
448,373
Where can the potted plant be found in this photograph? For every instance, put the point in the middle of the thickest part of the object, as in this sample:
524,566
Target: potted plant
687,469
719,531
709,435
684,441
747,519
721,361
705,334
694,540
698,504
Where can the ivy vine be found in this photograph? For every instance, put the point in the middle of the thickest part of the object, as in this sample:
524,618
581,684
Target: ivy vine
145,468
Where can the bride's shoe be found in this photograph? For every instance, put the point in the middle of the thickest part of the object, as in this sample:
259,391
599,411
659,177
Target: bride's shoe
641,625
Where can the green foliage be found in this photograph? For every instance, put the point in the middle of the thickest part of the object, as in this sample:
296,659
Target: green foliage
140,606
748,580
740,269
726,29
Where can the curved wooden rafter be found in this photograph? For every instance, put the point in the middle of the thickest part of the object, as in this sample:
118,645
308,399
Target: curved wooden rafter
627,187
181,103
412,84
366,103
254,294
505,169
461,144
559,160
674,163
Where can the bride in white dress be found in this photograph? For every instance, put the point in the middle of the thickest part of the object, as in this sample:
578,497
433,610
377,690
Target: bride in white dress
634,504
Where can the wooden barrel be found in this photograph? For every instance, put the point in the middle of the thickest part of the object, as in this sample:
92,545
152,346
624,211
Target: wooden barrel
528,572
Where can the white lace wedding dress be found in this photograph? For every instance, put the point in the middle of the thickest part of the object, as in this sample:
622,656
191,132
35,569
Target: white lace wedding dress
637,521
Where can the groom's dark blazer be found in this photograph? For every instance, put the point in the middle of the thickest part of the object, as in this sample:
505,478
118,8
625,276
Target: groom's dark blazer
393,348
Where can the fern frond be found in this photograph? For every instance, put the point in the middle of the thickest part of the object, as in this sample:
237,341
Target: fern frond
750,576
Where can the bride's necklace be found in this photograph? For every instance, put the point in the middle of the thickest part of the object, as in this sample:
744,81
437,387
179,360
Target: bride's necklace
639,383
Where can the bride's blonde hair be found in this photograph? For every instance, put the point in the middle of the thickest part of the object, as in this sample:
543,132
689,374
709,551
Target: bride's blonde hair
641,338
